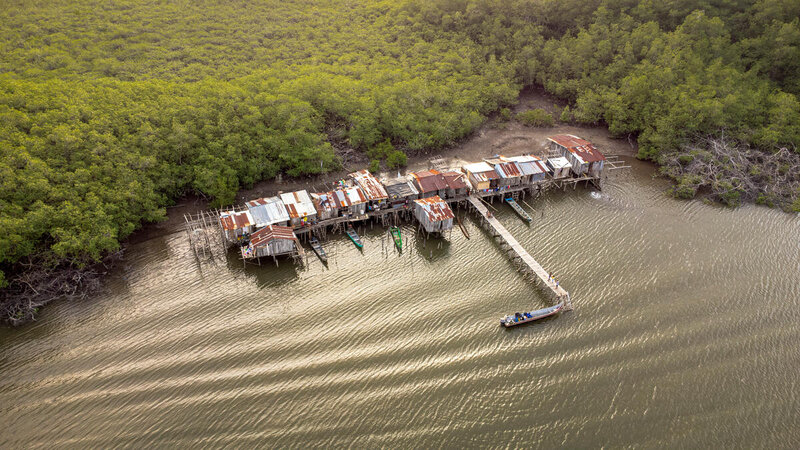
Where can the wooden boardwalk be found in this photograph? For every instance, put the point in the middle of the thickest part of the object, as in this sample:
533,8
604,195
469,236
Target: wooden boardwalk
520,253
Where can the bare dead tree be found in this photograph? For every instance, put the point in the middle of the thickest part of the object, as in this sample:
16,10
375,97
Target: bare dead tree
37,281
734,172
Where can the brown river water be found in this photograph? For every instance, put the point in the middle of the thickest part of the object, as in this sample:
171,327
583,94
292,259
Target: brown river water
685,333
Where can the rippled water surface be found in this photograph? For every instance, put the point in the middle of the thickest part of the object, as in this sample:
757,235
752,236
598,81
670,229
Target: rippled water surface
686,332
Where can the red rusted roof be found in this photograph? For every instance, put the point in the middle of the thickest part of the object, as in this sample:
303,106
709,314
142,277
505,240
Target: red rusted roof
324,201
583,148
235,220
340,199
435,208
429,180
270,232
506,169
455,180
373,189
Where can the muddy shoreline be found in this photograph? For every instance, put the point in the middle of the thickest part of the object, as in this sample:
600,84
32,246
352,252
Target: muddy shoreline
496,136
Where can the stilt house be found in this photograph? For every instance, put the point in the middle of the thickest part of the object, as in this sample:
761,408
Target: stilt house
532,168
325,205
401,192
272,240
559,167
236,225
300,208
268,211
351,201
582,154
430,183
372,188
456,184
482,176
434,214
509,172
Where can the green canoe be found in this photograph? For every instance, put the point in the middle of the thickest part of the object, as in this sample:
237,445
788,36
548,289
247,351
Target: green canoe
351,233
398,238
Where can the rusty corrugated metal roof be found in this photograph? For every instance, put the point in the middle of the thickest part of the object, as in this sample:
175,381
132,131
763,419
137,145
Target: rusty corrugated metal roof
371,187
506,169
298,204
455,180
429,180
349,196
585,150
271,232
231,220
324,201
435,208
341,199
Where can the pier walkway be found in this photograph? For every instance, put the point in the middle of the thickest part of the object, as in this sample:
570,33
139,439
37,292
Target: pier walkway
520,253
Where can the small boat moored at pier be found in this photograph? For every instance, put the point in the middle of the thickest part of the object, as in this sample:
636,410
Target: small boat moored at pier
520,318
317,247
518,209
398,238
351,233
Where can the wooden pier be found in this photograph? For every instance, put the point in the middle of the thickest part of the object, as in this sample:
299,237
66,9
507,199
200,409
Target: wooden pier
518,253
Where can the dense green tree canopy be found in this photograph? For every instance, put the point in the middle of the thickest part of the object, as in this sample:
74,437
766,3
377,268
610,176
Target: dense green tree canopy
111,110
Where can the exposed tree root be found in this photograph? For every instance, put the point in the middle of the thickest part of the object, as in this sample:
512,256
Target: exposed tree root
37,283
734,172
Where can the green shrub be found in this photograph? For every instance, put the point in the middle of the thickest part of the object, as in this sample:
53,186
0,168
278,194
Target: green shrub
765,199
684,191
536,118
396,159
796,204
505,114
375,166
729,194
686,186
566,115
381,150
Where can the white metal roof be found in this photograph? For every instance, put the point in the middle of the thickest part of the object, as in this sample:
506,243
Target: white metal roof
558,162
479,167
267,211
298,204
355,195
482,171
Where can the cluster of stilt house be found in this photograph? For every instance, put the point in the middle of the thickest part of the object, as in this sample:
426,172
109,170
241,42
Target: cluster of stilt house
270,226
